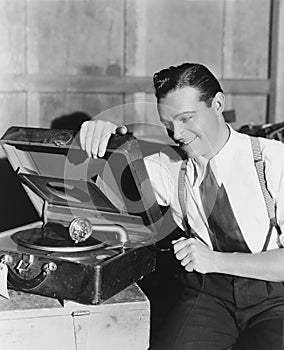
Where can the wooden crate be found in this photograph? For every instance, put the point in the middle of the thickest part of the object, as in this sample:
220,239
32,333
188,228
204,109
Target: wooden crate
31,322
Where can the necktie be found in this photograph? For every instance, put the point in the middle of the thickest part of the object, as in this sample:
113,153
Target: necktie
224,230
189,232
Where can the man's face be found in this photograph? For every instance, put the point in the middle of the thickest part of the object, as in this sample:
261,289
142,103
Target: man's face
190,123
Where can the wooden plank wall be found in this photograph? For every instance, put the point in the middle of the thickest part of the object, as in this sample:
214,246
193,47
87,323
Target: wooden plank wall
231,37
73,38
62,56
55,41
246,54
98,56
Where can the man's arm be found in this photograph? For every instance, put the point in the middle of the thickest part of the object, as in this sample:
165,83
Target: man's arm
193,255
268,265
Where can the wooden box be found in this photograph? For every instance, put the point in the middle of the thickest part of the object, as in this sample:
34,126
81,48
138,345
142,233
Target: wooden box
32,322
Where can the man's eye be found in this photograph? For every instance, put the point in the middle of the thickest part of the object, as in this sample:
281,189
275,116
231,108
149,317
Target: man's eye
186,119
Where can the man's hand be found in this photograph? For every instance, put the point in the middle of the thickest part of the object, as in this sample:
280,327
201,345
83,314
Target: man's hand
95,134
194,255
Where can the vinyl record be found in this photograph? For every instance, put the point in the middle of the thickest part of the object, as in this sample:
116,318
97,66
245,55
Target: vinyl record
54,238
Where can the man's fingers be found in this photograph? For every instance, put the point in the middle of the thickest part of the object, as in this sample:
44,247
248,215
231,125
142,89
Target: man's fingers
189,267
94,136
181,243
83,132
92,139
174,241
107,131
186,260
87,136
182,253
103,142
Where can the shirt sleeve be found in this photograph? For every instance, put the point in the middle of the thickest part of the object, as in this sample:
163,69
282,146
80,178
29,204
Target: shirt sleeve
160,178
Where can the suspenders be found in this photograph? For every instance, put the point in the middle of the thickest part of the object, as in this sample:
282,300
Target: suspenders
269,201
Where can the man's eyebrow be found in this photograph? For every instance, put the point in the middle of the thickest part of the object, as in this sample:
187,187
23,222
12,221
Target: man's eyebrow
183,113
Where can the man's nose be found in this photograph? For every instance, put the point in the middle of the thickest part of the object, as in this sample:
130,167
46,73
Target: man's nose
177,130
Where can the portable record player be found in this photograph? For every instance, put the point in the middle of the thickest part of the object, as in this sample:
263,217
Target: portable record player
99,217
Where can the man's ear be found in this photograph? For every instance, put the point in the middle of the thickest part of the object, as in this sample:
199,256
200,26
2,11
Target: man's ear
218,103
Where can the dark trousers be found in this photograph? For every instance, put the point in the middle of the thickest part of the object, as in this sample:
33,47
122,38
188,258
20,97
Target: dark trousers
225,312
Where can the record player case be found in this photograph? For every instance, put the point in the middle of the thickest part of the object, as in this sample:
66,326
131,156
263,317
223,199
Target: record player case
113,195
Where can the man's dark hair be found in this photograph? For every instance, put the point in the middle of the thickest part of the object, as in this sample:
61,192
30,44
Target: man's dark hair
187,74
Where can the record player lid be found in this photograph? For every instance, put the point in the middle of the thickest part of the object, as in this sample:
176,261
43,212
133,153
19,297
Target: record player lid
51,162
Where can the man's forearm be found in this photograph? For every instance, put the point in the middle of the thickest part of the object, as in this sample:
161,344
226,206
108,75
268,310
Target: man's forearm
268,266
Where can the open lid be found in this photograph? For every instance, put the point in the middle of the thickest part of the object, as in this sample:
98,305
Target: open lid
54,169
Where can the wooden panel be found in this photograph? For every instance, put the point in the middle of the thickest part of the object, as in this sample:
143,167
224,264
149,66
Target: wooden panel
107,84
135,26
71,36
12,111
279,61
135,37
134,111
140,112
182,31
246,86
12,36
84,83
246,31
152,124
121,331
249,109
38,333
273,64
48,106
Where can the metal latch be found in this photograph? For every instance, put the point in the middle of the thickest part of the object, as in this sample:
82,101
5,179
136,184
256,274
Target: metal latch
62,138
25,263
6,259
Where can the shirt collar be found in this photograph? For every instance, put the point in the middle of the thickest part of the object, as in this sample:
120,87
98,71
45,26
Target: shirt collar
229,146
196,170
220,163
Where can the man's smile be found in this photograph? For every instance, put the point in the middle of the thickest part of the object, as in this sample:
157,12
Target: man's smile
185,143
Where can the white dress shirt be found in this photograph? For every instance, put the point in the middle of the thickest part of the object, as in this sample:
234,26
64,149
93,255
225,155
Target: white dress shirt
233,167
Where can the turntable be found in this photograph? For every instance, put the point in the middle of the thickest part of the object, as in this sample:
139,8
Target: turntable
98,217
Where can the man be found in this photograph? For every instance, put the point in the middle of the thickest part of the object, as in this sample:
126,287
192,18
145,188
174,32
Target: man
233,264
